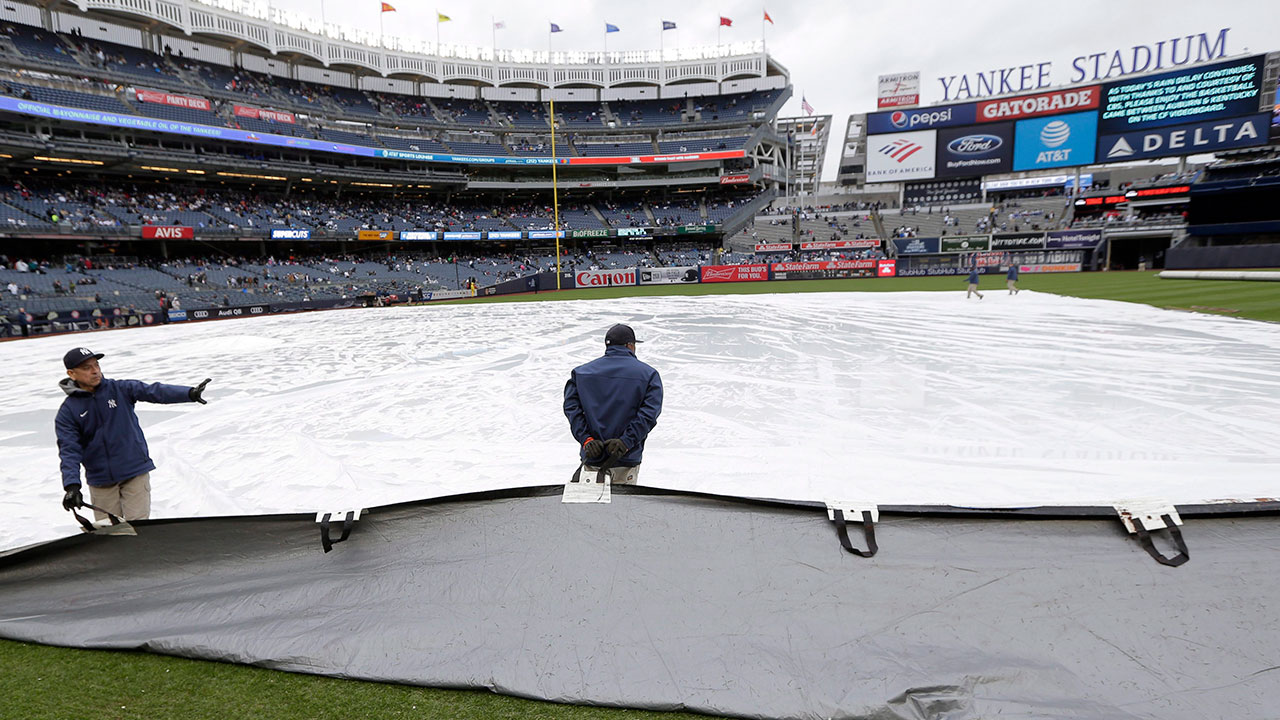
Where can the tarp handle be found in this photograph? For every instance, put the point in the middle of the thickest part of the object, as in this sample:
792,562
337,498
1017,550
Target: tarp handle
606,466
84,522
868,531
325,542
1144,539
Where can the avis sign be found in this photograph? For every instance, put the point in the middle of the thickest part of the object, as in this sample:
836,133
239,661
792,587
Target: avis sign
605,278
167,232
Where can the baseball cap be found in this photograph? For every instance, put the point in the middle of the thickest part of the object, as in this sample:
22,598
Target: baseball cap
620,335
74,358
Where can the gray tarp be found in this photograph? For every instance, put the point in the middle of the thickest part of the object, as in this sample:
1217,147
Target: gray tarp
671,601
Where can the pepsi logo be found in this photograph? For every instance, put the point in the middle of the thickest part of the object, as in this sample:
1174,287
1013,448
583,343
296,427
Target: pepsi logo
974,144
898,118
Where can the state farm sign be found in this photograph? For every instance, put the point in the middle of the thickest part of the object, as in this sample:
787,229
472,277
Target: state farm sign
605,278
840,244
734,273
167,232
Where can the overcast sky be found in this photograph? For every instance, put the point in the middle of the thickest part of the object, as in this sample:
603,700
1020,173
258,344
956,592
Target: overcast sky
835,49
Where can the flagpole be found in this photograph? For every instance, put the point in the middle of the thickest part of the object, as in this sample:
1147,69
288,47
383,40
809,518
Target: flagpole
555,187
323,22
438,53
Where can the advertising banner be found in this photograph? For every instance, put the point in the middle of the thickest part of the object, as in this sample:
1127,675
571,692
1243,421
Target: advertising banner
1086,179
668,275
503,235
164,98
921,119
604,278
548,234
290,234
460,236
695,229
977,150
942,192
376,235
263,114
418,235
1017,241
1275,117
898,90
734,179
177,316
1202,137
734,273
1203,92
859,244
886,268
167,232
774,247
1047,258
1057,141
824,270
228,312
1074,239
592,233
901,156
1058,267
917,246
447,294
1052,103
966,243
941,265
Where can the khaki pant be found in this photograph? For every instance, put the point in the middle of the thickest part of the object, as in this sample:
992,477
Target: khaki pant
1013,284
130,500
619,475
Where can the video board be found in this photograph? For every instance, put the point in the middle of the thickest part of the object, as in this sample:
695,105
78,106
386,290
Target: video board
1200,109
1205,92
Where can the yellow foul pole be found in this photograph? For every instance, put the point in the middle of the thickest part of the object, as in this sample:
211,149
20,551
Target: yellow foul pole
555,191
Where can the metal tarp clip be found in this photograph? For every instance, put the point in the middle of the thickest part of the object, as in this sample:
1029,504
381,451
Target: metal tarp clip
1142,517
843,512
349,517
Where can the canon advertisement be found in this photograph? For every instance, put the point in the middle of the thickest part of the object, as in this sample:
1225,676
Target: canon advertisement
668,275
824,270
901,156
604,278
977,150
734,273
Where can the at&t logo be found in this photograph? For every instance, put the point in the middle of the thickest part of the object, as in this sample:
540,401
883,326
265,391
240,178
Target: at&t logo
1054,135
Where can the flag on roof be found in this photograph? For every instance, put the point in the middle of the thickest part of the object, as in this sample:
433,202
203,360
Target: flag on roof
441,17
668,25
556,28
610,28
386,7
725,22
499,25
804,104
767,18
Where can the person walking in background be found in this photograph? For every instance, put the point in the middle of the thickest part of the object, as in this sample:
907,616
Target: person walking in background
1011,278
97,428
612,404
973,283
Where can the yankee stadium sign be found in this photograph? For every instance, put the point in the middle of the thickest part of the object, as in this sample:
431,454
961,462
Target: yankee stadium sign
1087,68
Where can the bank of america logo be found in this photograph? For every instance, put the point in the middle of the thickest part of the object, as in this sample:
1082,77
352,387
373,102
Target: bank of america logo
900,150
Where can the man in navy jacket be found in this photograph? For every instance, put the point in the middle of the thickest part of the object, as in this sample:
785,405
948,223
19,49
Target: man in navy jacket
612,403
98,428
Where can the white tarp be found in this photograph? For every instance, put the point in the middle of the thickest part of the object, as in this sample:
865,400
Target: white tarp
894,398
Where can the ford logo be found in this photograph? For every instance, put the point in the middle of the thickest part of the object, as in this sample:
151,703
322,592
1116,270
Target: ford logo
974,144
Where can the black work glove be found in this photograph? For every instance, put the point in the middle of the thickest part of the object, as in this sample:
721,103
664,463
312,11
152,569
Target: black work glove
615,448
72,499
593,448
195,392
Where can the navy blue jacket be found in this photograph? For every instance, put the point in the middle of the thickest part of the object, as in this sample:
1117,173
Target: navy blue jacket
615,396
973,277
1013,272
100,430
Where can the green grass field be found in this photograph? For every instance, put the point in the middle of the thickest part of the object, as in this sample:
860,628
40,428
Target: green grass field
1247,299
39,682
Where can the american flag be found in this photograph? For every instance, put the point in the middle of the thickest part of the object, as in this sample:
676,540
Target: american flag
804,104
